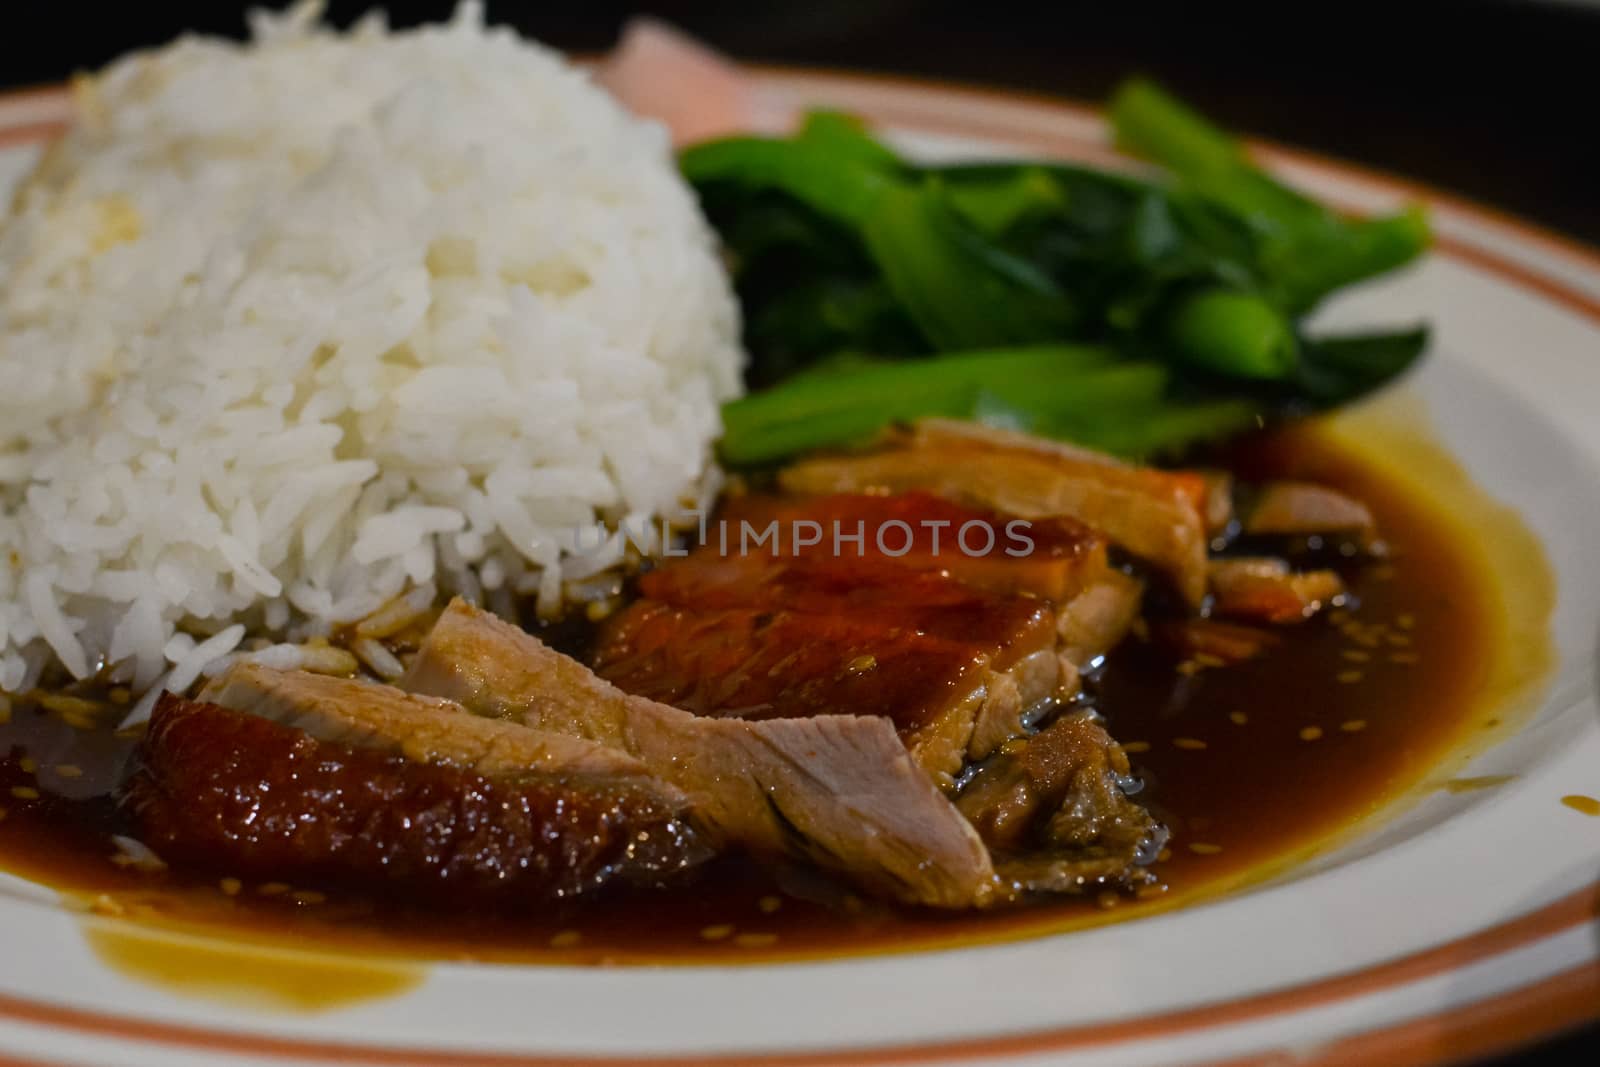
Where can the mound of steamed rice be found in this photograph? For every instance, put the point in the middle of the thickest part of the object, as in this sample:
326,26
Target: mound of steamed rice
290,329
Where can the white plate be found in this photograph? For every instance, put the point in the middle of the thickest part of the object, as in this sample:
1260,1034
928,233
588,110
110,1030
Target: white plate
1402,946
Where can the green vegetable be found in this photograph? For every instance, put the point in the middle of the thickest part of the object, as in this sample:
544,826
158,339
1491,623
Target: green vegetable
996,202
962,291
846,137
838,187
1124,386
1130,313
1337,370
1343,252
1307,250
1161,429
817,410
1233,333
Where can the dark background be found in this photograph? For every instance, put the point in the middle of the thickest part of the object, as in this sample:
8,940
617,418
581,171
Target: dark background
1495,99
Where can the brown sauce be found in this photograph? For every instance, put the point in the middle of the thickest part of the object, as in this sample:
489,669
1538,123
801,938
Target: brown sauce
1251,766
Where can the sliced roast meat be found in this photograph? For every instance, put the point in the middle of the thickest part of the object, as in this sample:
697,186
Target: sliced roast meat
1218,508
870,590
944,431
385,719
759,664
838,790
1055,812
1048,557
251,797
922,618
954,667
1095,621
1155,515
1266,589
1302,509
1011,695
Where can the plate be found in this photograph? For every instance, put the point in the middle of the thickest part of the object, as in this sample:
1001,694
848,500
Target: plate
1463,925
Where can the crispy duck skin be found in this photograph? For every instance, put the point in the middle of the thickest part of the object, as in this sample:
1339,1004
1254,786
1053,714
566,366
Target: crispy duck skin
1047,557
759,664
936,638
840,791
250,797
873,590
1158,516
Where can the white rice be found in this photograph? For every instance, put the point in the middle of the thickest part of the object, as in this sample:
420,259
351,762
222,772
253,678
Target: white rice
291,328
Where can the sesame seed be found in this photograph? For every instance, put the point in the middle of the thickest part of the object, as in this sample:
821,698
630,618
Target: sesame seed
1200,848
272,889
1311,733
1188,667
24,792
231,886
119,695
1206,659
1404,658
1146,892
1355,655
27,764
716,933
1405,621
1338,616
1348,677
1354,726
862,664
1398,640
1238,718
1193,744
1108,900
755,940
69,770
1136,746
308,896
1383,573
2,814
1164,855
768,905
566,939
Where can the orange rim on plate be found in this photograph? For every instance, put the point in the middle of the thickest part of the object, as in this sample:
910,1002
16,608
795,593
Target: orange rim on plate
1542,1008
